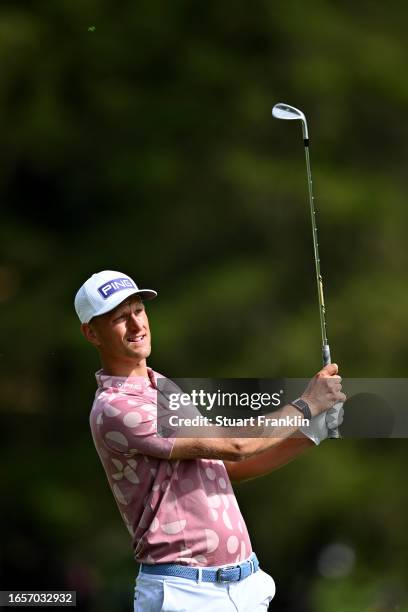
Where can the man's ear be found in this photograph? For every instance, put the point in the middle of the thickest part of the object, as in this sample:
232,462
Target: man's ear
90,334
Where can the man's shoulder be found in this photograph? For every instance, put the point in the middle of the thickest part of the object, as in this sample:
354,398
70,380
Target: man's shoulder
121,404
108,403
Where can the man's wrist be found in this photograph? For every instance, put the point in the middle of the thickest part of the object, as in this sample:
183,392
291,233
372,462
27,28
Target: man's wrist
314,409
303,406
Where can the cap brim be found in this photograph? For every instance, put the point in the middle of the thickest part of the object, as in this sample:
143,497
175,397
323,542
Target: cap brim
145,294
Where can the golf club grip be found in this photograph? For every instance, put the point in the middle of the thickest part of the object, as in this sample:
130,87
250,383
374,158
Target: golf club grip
332,433
326,354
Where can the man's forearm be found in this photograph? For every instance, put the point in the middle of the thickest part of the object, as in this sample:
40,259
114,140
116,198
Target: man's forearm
322,392
269,460
236,447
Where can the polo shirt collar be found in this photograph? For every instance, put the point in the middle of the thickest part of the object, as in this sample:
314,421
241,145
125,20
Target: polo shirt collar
130,384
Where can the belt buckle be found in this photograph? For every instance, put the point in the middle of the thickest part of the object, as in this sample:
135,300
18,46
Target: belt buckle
229,567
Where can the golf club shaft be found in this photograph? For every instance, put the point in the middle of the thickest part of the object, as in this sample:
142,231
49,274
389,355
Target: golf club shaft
333,433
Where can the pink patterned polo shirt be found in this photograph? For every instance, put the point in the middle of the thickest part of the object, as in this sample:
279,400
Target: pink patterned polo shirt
176,511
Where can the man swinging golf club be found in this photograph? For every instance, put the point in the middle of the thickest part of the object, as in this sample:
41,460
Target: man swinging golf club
175,495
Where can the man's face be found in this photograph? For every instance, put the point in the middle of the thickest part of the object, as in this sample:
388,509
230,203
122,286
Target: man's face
121,335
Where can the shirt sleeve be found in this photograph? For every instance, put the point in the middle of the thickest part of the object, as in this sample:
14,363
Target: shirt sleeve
129,426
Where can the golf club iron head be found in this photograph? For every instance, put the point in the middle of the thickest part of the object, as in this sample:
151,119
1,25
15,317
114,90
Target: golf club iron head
285,111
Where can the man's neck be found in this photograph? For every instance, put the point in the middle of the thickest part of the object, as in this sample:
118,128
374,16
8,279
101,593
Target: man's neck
125,370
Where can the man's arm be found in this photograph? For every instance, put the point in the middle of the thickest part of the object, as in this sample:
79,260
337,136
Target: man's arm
323,391
269,460
310,435
233,449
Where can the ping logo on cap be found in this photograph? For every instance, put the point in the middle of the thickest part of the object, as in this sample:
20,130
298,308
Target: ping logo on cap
117,284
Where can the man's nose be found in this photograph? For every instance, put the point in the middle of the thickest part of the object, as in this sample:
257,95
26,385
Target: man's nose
135,321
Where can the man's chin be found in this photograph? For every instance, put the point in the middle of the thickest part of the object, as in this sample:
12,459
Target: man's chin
142,353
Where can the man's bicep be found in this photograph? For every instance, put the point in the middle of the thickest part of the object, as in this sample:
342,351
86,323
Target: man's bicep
131,430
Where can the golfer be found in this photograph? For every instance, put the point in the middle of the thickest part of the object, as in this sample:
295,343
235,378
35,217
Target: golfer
175,495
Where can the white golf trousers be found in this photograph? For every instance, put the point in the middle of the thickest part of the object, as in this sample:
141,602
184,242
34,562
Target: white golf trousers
172,594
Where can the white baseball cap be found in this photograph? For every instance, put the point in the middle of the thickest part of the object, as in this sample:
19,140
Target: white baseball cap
104,291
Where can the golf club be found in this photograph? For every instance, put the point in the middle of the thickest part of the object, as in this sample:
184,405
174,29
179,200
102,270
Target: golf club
287,112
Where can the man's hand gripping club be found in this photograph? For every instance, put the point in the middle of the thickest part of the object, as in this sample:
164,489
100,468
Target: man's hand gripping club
331,417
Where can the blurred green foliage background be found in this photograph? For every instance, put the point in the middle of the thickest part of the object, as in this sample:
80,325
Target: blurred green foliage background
138,136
